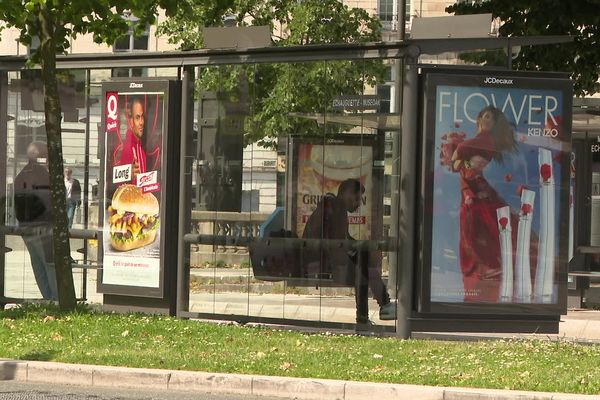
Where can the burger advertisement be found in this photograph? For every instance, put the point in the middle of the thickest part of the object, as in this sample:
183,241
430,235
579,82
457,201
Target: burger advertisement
134,122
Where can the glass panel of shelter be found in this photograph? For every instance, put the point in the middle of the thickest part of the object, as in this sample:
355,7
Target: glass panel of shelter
340,201
27,159
219,278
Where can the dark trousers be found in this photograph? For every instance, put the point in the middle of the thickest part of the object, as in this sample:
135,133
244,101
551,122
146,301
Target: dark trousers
368,275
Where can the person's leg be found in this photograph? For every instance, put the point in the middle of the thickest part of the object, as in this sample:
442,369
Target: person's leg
387,310
35,248
71,205
50,266
377,286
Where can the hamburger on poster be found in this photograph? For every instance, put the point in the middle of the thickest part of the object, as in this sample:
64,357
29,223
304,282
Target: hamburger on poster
133,217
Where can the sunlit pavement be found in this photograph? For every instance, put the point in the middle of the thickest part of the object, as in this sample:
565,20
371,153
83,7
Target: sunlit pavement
20,283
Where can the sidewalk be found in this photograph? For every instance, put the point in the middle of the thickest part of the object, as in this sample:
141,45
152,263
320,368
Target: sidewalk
286,388
579,325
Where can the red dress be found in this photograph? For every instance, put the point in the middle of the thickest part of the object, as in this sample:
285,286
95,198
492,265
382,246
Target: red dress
480,257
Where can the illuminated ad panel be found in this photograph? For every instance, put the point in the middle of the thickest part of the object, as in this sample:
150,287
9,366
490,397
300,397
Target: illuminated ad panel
496,189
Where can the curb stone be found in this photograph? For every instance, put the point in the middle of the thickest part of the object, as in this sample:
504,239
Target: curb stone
291,388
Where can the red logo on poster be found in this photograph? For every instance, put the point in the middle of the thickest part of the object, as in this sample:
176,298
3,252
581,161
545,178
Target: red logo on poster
112,114
147,178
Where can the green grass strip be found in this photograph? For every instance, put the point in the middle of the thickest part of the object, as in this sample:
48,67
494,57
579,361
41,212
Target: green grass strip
35,332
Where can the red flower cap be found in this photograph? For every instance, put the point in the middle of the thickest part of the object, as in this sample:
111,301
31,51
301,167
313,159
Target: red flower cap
546,172
503,222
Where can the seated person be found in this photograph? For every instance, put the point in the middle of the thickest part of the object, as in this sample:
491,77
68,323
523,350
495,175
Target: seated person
330,221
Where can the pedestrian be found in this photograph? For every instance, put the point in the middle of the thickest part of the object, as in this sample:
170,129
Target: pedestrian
73,192
34,214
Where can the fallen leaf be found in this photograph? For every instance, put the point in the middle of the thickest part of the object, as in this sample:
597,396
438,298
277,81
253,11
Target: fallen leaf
286,366
48,318
125,333
56,337
377,355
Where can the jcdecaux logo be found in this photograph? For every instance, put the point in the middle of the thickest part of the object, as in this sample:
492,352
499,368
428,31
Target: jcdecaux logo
498,81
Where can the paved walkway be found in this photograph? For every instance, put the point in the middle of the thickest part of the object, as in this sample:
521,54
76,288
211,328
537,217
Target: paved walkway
582,325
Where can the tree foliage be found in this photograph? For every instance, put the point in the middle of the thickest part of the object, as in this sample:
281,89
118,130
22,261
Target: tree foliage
277,91
580,18
55,22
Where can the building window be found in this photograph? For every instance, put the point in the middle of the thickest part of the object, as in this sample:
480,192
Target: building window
384,92
386,10
35,44
129,43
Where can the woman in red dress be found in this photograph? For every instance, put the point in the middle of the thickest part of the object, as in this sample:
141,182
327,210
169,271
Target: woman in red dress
480,257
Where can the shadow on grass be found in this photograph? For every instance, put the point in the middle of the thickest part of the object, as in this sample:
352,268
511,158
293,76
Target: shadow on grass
39,355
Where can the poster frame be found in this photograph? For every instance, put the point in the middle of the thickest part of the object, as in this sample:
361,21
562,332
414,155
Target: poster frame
169,173
430,78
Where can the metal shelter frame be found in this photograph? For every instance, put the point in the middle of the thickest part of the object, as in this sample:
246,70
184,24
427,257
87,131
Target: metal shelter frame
404,189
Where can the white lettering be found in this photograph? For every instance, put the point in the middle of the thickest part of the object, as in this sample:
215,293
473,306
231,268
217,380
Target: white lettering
477,108
445,105
545,132
532,108
134,85
549,110
500,81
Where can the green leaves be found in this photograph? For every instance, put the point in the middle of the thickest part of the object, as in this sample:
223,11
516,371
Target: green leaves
580,19
101,18
277,90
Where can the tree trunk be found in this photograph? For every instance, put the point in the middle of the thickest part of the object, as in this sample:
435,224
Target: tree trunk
61,245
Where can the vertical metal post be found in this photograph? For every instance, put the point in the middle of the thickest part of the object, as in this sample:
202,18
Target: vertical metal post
407,207
185,171
396,141
86,179
3,170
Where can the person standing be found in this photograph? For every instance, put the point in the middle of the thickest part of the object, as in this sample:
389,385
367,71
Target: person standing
34,214
73,192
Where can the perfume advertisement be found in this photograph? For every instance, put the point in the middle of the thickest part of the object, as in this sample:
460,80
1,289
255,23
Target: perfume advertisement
497,187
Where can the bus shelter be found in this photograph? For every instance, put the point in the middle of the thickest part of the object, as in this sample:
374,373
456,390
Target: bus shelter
306,211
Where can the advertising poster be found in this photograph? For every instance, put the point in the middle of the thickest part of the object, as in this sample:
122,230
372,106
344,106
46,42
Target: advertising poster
497,188
321,168
132,188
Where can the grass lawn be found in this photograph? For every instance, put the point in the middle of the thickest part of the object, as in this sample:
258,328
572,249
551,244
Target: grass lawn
87,337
